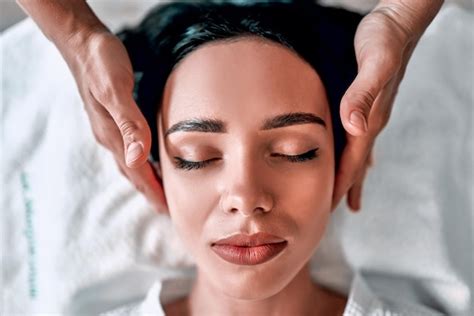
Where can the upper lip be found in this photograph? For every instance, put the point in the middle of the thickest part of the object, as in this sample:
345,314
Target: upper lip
257,239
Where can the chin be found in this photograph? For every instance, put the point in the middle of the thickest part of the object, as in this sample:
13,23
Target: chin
253,284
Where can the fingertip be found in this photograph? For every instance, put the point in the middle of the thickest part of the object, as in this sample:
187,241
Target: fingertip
354,207
354,204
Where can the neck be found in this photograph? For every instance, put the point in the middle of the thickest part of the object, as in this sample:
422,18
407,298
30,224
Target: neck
299,297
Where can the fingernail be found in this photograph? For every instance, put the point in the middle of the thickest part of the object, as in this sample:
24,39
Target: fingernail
134,151
358,120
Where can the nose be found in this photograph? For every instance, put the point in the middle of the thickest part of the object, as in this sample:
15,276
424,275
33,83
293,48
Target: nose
244,193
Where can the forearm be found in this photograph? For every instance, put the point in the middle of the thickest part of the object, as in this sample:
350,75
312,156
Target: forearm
63,22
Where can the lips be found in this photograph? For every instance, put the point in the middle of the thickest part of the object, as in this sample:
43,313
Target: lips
249,250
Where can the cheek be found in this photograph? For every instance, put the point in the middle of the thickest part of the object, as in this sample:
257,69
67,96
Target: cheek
309,184
307,196
189,202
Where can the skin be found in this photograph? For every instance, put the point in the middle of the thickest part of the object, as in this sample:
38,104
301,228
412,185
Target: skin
384,42
243,83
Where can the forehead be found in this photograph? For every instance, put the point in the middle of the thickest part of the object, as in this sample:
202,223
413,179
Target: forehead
245,78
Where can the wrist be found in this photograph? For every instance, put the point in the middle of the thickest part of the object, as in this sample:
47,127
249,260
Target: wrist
75,45
77,35
63,22
413,17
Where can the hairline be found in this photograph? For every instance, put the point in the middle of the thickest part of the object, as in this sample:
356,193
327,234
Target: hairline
238,38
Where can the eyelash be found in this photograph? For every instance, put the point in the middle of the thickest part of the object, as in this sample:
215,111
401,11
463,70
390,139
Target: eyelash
192,165
309,155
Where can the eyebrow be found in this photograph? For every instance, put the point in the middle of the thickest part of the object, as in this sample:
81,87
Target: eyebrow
289,119
198,125
209,125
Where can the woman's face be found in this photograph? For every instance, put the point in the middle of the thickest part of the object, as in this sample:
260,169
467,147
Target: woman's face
246,146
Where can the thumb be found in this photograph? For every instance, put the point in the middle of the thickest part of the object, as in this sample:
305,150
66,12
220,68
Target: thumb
374,73
136,135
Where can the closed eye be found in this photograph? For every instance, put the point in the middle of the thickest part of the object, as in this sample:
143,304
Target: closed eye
180,163
309,155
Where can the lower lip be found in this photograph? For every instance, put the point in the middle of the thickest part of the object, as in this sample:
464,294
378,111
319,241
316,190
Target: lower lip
249,255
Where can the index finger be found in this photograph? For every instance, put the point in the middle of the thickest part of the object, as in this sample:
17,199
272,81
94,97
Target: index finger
351,165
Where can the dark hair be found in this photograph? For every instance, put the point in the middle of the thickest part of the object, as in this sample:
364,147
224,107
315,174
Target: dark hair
322,36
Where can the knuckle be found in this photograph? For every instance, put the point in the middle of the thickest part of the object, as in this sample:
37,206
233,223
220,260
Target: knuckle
128,129
364,100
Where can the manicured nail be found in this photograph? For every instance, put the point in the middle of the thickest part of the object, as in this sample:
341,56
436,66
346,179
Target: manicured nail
358,120
134,151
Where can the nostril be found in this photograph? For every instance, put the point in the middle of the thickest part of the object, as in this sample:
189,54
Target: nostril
247,202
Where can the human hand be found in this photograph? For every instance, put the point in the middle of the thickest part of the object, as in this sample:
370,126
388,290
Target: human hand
104,76
384,42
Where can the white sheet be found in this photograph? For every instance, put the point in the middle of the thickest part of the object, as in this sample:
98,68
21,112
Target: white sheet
78,239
